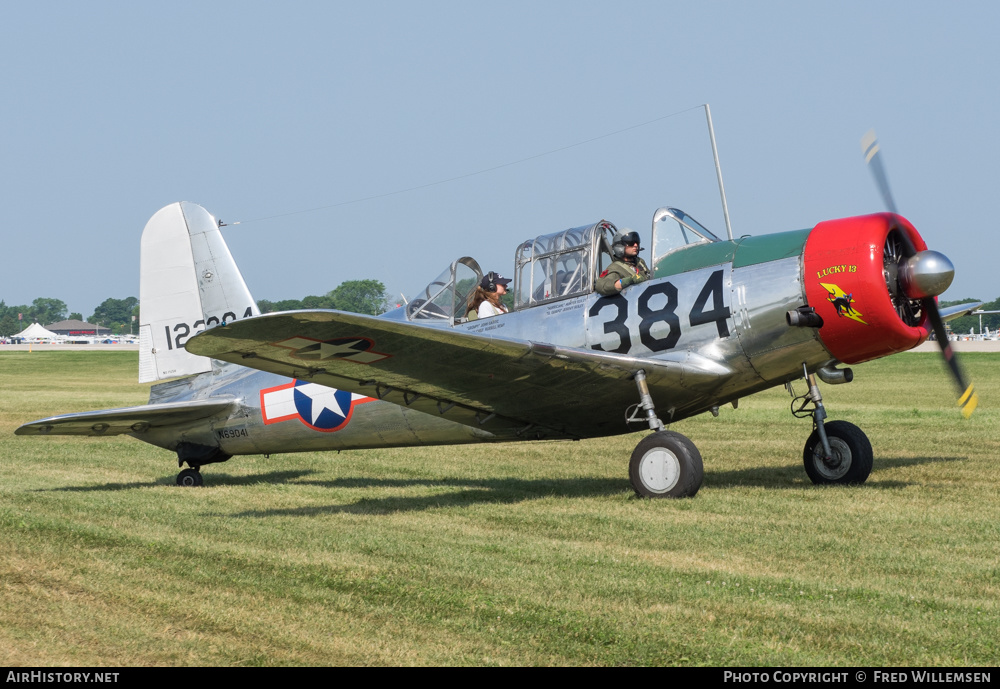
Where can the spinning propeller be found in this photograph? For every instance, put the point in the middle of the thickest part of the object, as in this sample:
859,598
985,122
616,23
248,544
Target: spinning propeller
915,278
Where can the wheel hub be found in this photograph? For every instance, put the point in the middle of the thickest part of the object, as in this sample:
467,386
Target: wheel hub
660,470
834,467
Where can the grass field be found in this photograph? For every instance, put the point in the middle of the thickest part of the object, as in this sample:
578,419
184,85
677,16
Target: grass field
516,554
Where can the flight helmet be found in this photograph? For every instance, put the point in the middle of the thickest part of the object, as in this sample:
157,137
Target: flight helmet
624,236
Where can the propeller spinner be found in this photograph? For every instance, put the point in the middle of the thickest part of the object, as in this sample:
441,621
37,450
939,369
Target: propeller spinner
926,274
921,275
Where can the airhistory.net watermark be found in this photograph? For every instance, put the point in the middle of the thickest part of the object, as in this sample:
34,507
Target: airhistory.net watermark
62,677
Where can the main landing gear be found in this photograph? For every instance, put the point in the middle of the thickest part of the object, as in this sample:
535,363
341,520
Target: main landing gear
668,465
836,452
190,478
665,464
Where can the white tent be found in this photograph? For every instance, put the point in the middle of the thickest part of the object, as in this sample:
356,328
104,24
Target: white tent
38,332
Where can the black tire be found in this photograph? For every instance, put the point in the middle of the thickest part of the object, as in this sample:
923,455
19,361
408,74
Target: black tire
190,478
852,455
666,465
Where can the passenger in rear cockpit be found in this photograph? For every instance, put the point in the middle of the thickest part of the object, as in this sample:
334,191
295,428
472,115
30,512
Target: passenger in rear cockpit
485,301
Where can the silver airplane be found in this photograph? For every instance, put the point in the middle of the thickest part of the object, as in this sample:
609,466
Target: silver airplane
719,320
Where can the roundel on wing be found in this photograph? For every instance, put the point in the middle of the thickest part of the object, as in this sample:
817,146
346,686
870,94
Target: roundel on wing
321,407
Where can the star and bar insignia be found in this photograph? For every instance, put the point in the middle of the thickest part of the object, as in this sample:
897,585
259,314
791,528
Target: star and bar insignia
356,349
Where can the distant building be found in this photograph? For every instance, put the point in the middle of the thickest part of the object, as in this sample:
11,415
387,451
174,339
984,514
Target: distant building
75,327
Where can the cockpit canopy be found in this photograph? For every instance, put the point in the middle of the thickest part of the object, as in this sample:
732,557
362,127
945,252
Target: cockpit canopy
447,297
560,265
546,268
552,266
673,229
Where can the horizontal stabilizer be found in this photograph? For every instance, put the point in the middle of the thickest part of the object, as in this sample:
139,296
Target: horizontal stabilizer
126,419
950,313
483,381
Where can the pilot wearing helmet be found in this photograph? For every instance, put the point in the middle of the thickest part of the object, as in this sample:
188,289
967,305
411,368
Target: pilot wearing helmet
628,268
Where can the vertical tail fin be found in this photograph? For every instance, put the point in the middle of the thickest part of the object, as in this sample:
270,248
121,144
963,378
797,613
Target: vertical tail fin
188,281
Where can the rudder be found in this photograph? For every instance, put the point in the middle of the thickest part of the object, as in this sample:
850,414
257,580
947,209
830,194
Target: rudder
188,281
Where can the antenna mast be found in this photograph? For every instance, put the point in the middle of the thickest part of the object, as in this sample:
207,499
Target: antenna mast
718,171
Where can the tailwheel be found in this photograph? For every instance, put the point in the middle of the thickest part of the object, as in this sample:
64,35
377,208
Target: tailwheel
850,459
190,478
666,465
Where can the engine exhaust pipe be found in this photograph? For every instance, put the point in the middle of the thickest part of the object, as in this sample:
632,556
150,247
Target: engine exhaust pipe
804,317
832,375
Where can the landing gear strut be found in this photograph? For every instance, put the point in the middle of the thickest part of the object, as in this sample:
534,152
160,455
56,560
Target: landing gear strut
665,464
836,452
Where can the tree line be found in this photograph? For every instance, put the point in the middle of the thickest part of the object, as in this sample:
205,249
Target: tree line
114,314
357,296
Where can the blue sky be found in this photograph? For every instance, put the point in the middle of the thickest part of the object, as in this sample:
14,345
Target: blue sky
255,110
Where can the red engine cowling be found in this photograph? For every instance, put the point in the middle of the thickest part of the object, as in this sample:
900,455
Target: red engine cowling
850,275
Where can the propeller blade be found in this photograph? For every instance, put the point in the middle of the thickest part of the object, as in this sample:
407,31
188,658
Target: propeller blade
873,157
968,400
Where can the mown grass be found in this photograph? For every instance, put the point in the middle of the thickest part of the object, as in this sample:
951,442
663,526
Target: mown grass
516,554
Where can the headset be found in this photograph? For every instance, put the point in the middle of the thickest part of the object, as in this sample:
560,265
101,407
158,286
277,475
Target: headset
491,281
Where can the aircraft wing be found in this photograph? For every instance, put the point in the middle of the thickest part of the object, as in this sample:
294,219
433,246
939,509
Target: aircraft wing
504,386
950,313
126,419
